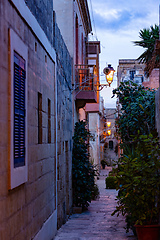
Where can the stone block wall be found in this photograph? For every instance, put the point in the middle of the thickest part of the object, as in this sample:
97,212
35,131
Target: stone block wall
64,128
94,149
157,102
48,192
25,209
43,12
153,79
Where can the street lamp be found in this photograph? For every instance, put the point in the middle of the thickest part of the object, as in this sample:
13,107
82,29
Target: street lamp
109,73
109,132
108,124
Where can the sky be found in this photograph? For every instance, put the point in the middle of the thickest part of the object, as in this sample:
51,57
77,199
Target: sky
116,24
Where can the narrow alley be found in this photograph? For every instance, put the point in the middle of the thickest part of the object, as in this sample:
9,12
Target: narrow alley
96,223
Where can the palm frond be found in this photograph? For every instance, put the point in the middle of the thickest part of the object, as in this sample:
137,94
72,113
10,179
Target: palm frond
148,38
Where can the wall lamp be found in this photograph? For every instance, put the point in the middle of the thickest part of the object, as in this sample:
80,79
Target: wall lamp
108,123
109,74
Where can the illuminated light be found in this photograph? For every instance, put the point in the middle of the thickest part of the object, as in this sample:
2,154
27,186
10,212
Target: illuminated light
109,77
109,73
109,132
108,124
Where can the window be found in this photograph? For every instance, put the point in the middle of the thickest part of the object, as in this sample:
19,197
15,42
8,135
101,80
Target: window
111,145
132,72
82,47
77,40
138,79
18,171
19,110
39,118
49,121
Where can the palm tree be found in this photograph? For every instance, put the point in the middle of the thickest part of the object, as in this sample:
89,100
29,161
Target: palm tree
148,39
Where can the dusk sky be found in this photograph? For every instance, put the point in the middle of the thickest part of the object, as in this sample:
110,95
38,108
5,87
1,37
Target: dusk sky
117,24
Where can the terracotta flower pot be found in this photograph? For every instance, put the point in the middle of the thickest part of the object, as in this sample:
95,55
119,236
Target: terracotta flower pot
148,232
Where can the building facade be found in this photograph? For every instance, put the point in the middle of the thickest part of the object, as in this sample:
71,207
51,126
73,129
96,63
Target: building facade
74,21
110,142
49,71
35,121
131,69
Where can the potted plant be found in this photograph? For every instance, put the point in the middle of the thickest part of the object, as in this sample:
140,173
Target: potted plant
138,181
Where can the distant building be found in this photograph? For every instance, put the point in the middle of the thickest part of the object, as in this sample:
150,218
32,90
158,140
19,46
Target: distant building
131,69
109,142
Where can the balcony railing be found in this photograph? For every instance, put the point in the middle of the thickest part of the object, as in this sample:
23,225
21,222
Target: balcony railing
86,78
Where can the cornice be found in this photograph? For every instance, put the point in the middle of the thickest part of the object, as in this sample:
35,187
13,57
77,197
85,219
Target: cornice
86,15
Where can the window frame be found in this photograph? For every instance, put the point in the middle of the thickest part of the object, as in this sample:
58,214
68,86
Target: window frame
40,132
19,110
17,175
49,121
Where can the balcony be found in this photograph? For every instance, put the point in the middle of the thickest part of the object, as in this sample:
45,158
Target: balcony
85,84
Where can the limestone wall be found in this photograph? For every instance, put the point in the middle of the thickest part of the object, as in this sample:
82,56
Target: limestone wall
30,210
64,129
153,79
93,120
43,12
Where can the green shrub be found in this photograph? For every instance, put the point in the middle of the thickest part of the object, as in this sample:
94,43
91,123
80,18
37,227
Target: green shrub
95,192
137,107
111,173
138,182
110,182
83,172
138,169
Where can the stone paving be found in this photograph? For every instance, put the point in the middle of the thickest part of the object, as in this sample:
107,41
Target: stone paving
96,223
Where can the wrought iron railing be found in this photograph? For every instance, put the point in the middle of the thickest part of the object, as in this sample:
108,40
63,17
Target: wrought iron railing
86,78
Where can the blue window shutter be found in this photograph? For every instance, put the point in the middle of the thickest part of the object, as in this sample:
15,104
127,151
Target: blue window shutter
19,111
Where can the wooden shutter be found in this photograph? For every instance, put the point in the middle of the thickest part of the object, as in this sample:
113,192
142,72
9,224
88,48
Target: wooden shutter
19,111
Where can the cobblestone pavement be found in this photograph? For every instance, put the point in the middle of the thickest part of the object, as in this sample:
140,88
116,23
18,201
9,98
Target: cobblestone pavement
96,223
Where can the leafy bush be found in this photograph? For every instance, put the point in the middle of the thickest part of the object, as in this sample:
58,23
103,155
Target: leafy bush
138,169
83,172
138,182
111,173
103,162
110,182
137,111
95,192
